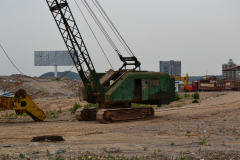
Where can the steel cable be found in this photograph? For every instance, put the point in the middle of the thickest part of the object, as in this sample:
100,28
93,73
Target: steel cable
17,67
101,27
93,34
113,26
11,60
22,72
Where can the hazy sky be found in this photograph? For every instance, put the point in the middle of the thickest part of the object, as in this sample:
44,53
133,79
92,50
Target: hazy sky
202,34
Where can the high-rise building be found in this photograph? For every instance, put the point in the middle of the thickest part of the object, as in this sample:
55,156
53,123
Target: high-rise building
228,75
171,67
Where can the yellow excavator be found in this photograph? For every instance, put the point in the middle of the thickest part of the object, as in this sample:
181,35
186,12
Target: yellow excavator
22,103
186,78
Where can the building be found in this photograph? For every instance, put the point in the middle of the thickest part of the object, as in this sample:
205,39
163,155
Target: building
229,75
171,67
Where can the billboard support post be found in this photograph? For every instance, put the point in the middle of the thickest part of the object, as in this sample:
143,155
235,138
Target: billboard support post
55,70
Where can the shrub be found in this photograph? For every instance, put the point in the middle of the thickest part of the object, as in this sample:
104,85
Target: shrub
75,107
56,79
60,110
196,95
176,98
195,101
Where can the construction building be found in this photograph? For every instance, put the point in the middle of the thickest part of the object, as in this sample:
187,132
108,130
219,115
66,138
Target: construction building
229,74
171,67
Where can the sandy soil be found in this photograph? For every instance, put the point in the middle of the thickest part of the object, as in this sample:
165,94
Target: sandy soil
209,129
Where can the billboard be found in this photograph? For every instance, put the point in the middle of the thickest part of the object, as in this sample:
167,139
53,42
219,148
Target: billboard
53,58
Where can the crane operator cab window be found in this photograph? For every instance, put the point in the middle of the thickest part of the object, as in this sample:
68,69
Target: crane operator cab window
145,83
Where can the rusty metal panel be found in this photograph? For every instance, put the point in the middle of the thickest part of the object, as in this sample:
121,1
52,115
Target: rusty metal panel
232,85
210,85
106,76
6,103
236,85
154,82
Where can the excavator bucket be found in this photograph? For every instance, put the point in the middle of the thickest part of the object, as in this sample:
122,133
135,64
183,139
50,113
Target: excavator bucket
22,103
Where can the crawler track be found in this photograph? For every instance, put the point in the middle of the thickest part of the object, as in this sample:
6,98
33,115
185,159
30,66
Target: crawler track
122,114
116,114
86,114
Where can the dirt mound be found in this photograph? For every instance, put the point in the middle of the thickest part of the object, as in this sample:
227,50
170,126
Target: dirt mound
39,87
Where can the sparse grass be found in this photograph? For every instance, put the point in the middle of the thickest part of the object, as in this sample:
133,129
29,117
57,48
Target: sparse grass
223,143
104,149
180,104
51,114
90,105
119,149
24,115
10,116
145,148
75,107
188,132
91,156
218,95
234,131
203,141
60,110
56,79
135,105
186,95
176,98
47,153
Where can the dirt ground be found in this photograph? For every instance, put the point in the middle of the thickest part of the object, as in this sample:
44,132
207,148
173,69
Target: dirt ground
209,129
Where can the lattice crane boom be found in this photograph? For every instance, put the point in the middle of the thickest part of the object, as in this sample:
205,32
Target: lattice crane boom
74,41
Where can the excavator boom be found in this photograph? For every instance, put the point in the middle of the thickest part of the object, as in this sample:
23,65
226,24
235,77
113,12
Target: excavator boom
186,79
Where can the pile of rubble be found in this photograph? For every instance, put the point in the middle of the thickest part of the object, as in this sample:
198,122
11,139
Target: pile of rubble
33,85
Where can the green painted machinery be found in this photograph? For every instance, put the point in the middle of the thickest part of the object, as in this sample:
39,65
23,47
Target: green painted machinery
113,91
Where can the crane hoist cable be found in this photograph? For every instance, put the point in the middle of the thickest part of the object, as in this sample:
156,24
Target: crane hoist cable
113,26
17,67
93,34
10,60
22,72
101,27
